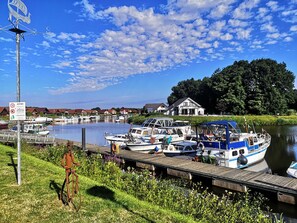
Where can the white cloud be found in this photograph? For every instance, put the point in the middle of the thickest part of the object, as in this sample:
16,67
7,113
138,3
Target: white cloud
227,36
237,23
219,11
144,41
288,39
269,28
2,39
273,35
62,64
45,44
293,28
244,9
273,5
243,33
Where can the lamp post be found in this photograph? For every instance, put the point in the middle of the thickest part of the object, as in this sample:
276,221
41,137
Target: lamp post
18,10
18,32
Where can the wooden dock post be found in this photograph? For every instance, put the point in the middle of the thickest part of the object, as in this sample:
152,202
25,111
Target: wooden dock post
285,198
150,167
179,173
229,185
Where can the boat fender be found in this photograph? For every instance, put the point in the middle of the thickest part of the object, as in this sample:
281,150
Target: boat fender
152,140
171,148
113,148
242,160
156,149
201,146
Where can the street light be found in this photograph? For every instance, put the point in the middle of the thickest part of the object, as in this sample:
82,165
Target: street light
18,10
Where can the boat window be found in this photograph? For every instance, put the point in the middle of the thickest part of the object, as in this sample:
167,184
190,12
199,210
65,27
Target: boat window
144,133
241,151
234,153
188,148
251,141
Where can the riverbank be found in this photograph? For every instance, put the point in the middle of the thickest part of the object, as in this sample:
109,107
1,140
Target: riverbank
109,194
256,120
37,199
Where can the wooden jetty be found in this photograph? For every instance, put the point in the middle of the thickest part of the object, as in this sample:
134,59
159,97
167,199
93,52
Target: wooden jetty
11,137
284,188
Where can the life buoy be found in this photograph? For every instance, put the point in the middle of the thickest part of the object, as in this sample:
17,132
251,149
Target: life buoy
201,146
113,147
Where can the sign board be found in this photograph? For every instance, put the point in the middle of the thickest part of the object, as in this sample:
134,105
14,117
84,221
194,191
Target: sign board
17,111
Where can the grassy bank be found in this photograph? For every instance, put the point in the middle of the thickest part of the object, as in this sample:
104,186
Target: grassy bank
257,120
36,200
103,198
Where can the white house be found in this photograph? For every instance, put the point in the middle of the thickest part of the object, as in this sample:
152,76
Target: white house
186,107
156,107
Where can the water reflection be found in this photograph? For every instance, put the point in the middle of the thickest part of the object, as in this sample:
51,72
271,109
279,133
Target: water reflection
283,148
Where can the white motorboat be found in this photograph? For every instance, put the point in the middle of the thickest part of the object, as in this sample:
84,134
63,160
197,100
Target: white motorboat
119,139
292,169
144,146
133,134
223,143
165,122
33,128
180,148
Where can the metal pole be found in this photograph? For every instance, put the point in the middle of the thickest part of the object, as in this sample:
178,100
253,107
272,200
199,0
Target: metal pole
83,139
18,100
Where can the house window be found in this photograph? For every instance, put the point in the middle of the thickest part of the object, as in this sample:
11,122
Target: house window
184,111
186,103
192,111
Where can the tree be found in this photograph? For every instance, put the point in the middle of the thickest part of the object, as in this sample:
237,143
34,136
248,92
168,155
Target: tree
187,88
262,86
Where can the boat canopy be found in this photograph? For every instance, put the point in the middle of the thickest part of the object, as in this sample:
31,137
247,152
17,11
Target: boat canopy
226,123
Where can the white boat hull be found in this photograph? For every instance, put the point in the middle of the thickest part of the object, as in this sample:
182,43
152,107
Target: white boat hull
143,147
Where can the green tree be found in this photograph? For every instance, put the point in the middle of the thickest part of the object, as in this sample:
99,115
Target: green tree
262,86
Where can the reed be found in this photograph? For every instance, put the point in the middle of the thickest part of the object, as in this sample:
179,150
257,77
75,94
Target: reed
257,120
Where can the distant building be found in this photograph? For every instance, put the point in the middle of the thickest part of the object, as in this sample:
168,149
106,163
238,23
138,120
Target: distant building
186,107
37,111
156,107
4,111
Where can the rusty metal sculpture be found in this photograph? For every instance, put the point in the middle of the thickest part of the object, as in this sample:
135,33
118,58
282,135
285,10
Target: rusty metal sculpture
70,189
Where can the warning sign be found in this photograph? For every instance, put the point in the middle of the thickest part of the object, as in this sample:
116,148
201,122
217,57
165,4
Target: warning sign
17,111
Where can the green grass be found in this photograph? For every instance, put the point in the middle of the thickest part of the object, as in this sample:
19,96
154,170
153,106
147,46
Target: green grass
257,120
37,200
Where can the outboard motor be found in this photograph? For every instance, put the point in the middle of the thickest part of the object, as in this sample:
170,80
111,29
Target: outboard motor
242,160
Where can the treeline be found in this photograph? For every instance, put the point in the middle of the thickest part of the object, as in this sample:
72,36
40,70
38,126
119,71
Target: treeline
258,87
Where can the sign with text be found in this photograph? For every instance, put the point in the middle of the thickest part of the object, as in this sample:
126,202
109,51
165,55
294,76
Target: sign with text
17,111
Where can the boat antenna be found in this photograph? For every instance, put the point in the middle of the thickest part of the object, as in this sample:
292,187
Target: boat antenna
245,123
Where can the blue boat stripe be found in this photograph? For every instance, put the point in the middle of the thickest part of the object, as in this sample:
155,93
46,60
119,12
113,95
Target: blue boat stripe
235,159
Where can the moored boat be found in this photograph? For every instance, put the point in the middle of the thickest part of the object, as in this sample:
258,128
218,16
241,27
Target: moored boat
292,169
223,143
180,148
3,124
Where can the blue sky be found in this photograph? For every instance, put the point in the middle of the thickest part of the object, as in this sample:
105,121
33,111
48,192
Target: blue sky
111,53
